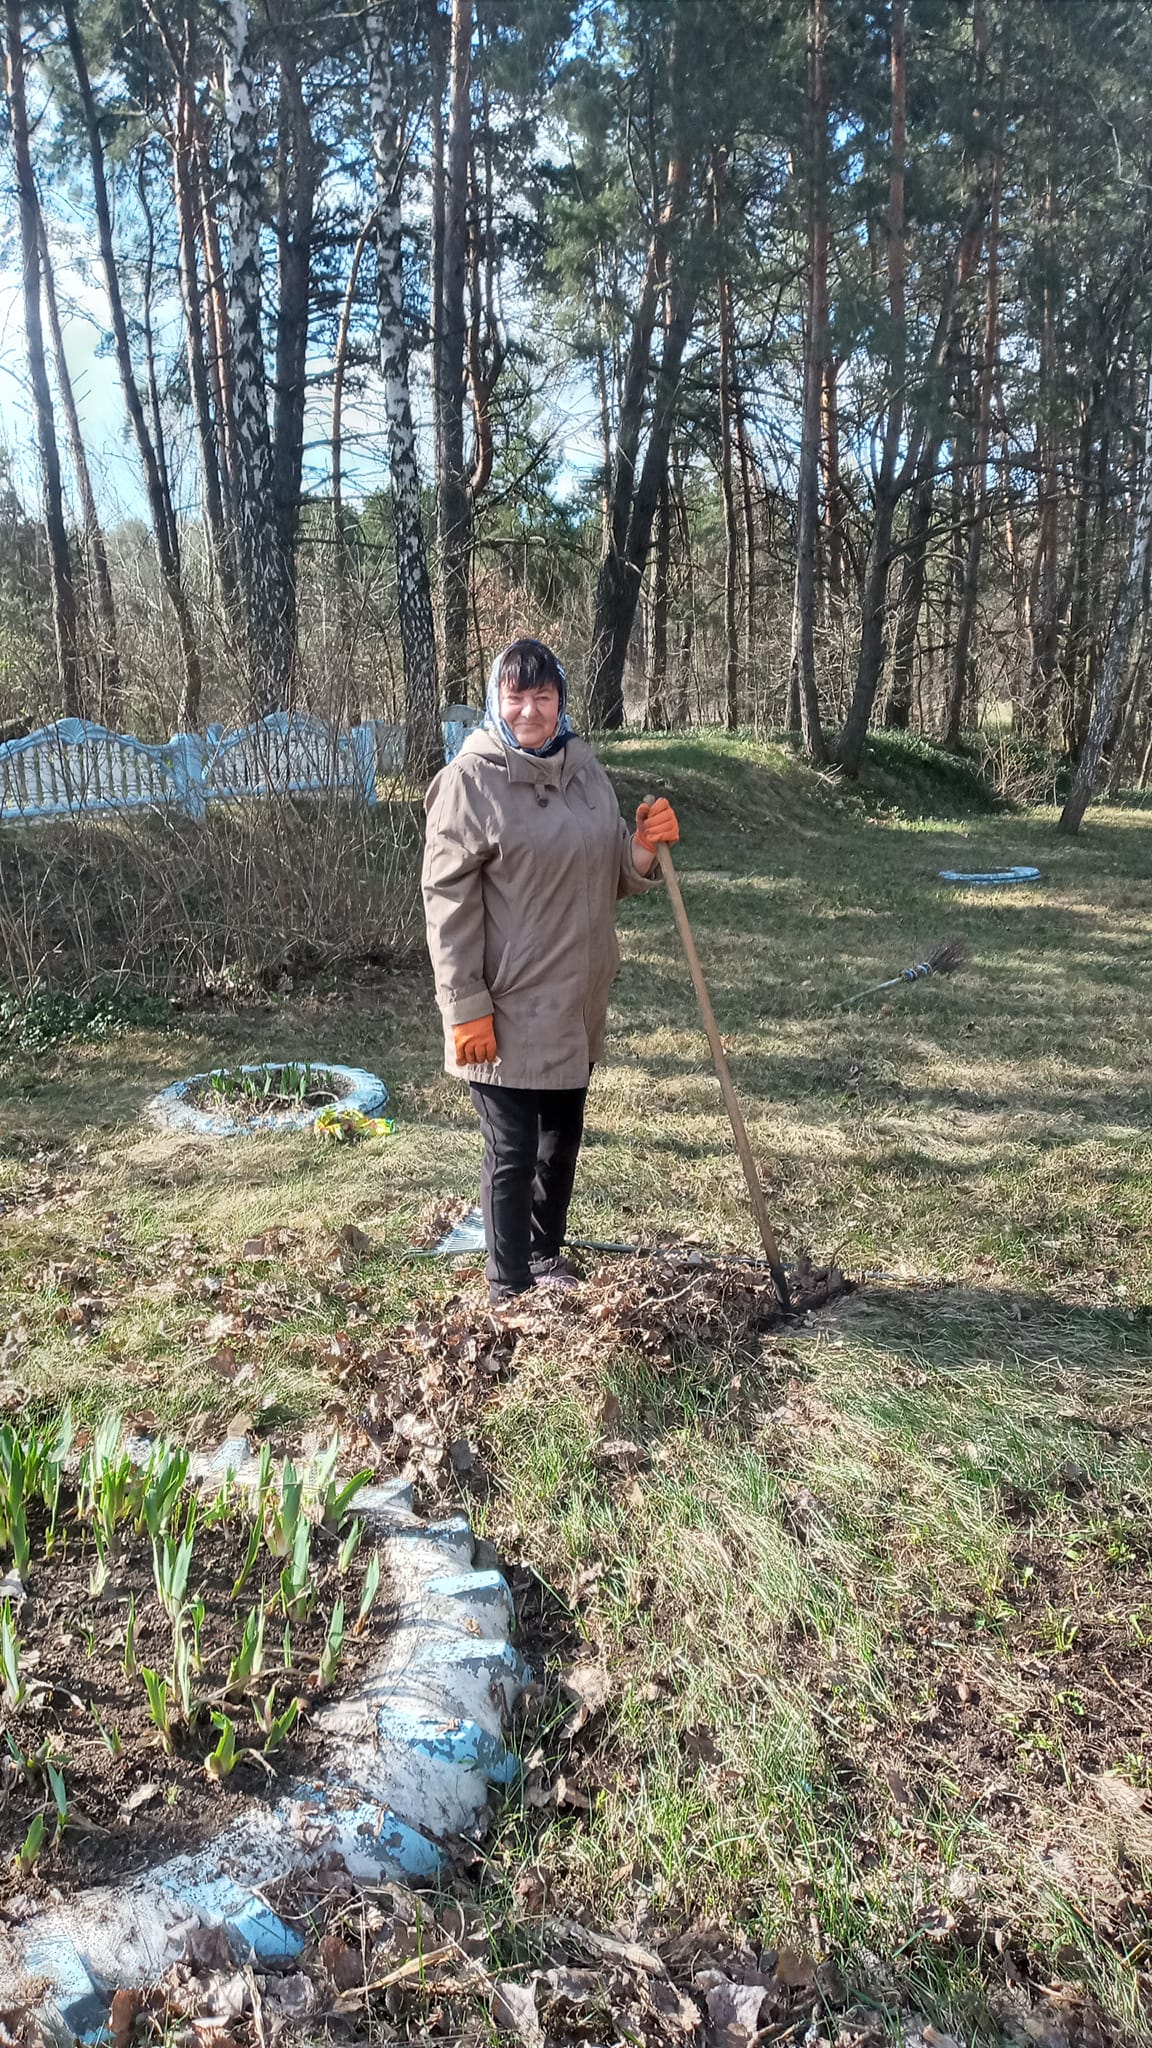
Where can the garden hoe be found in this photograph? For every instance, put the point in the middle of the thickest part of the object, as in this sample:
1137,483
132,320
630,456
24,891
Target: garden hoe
720,1063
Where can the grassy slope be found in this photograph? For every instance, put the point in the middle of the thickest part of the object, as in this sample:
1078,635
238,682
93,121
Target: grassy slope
877,1614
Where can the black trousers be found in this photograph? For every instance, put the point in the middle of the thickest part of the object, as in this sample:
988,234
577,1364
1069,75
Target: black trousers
531,1145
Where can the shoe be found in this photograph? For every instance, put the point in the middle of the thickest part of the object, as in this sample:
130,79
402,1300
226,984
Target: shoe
558,1272
499,1295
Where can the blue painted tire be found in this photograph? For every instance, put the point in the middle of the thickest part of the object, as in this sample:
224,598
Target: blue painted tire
1003,878
174,1111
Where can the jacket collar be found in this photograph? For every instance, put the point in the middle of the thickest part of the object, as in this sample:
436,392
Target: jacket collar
551,772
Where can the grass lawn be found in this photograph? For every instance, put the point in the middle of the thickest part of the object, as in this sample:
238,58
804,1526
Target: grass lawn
871,1601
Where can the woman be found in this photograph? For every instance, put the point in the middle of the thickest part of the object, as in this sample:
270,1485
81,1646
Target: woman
525,856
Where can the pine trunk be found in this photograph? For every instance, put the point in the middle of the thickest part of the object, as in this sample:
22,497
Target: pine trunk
413,589
621,575
296,214
727,489
815,355
455,520
184,185
970,578
64,619
159,501
343,525
834,548
870,657
267,592
617,584
898,708
656,712
1116,660
107,635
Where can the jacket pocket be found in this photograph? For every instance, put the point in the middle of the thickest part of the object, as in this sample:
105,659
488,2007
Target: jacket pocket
498,982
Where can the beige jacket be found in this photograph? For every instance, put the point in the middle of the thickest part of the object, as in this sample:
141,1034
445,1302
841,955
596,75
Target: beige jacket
524,860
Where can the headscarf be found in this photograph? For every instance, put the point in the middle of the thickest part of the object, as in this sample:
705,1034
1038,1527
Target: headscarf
499,725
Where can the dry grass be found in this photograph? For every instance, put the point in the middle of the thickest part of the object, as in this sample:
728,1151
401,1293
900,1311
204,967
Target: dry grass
874,1599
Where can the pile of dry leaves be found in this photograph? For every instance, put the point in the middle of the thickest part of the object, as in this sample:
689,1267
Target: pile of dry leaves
381,1964
416,1398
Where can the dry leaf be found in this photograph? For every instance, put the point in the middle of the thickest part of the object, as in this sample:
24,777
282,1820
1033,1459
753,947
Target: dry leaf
590,1686
531,1890
514,2009
734,2013
124,2012
140,1797
901,1795
795,1971
565,1793
344,1964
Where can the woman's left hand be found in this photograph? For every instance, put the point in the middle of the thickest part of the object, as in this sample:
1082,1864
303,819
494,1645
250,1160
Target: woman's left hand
657,825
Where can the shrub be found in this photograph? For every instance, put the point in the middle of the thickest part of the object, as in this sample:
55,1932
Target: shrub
178,906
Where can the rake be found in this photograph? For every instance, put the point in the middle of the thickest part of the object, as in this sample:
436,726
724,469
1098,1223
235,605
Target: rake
944,959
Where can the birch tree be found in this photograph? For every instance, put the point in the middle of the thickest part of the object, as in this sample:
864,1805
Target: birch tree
52,493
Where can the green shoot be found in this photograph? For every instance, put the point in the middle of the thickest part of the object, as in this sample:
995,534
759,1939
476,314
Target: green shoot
277,1727
250,1557
30,1849
330,1655
248,1663
196,1614
284,1519
337,1500
295,1592
263,1481
165,1479
349,1545
219,1509
186,1700
15,1689
18,1538
99,1574
287,1646
129,1658
110,1737
222,1760
371,1588
157,1690
60,1797
171,1562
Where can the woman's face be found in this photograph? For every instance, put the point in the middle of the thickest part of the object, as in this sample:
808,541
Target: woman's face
530,715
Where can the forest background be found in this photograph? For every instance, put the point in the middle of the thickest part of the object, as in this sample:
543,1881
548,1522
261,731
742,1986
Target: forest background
784,362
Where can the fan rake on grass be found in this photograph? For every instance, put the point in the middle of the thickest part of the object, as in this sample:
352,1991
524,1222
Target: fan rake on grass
944,959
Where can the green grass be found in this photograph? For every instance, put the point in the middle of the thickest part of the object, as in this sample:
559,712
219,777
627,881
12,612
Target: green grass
876,1608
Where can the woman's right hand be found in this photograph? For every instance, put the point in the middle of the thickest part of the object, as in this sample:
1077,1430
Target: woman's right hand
475,1041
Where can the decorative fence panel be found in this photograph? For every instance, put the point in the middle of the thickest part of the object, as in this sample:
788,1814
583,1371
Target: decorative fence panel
287,754
75,767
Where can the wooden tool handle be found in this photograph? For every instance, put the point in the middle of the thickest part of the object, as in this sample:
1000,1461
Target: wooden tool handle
720,1063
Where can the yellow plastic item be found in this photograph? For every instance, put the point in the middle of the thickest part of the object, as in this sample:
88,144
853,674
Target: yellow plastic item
347,1125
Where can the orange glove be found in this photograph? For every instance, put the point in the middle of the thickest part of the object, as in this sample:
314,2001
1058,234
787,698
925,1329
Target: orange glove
656,825
475,1041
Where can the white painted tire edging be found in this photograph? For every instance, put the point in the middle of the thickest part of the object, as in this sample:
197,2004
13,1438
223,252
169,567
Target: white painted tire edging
172,1111
409,1760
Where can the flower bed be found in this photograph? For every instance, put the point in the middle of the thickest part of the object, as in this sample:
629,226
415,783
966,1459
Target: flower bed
277,1096
160,1648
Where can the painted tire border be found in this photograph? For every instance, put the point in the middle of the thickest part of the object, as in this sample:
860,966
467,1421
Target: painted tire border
172,1111
411,1755
998,878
